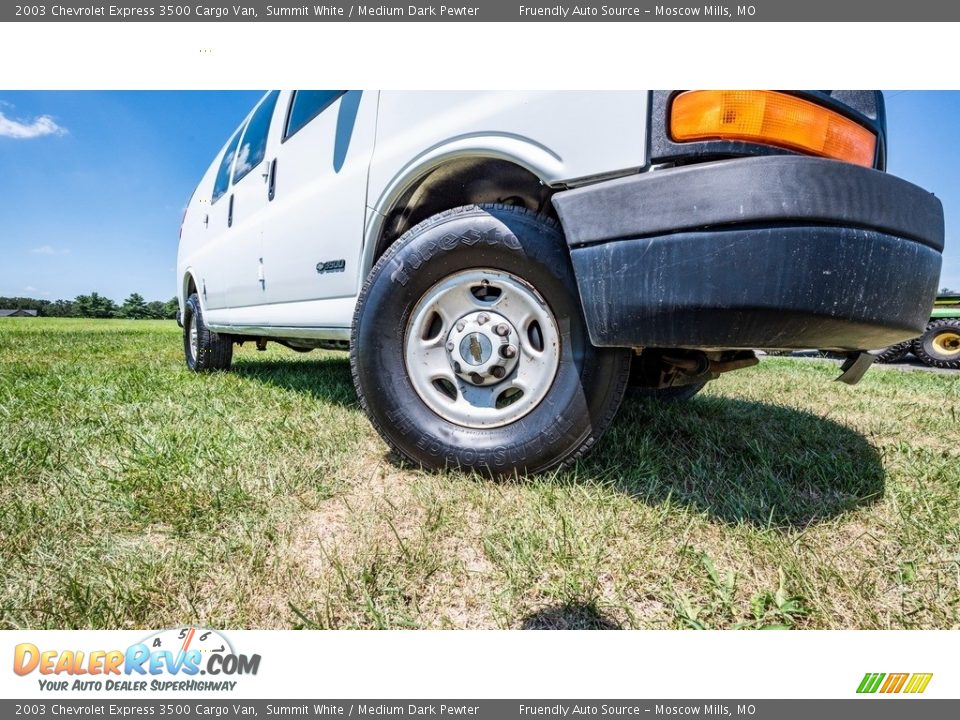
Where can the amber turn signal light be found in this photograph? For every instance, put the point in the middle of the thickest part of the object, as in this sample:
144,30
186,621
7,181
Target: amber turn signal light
770,118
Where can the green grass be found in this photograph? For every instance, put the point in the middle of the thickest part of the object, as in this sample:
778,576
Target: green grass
136,494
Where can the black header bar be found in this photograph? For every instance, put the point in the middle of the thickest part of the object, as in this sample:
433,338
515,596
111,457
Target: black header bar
480,11
228,708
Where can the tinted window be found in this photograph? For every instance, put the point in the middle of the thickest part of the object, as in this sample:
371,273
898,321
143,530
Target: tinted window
222,182
306,105
254,144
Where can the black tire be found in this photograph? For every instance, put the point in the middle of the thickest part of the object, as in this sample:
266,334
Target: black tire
894,353
939,346
585,392
213,351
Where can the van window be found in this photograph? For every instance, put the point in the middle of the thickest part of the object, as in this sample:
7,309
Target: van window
254,144
306,105
222,182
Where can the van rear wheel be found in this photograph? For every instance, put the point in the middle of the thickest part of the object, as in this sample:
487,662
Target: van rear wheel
469,348
203,348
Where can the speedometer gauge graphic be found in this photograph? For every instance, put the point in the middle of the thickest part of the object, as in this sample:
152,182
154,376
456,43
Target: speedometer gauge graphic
182,639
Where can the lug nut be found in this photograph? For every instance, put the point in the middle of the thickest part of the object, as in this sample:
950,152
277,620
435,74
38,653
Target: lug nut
498,371
460,326
477,378
456,368
482,318
450,346
508,351
502,329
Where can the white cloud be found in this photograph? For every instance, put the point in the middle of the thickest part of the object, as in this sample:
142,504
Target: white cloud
48,250
29,288
243,165
24,130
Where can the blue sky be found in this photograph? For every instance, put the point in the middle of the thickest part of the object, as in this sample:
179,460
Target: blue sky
93,184
924,149
92,198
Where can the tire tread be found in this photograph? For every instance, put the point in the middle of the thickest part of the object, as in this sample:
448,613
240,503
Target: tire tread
214,351
580,449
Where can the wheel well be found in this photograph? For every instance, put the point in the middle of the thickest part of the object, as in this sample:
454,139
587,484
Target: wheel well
191,287
460,182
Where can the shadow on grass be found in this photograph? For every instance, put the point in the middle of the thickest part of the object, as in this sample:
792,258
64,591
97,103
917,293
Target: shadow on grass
738,461
325,379
569,616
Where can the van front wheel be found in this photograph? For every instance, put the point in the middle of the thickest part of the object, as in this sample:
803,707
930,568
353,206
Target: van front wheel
469,347
203,348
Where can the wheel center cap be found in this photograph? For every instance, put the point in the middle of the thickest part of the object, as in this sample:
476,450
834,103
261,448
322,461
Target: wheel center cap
483,348
475,348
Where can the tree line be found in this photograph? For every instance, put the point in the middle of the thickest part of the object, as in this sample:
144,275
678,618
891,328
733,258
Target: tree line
95,305
134,307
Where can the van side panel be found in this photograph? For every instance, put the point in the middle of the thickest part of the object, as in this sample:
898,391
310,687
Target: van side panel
201,242
193,251
560,136
313,241
564,138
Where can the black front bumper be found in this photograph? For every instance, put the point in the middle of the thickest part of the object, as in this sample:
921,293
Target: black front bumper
779,252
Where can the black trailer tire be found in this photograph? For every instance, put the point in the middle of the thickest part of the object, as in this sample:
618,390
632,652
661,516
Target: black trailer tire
894,353
487,251
939,346
203,349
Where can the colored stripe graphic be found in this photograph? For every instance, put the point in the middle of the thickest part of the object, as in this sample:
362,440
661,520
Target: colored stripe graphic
870,682
894,683
918,682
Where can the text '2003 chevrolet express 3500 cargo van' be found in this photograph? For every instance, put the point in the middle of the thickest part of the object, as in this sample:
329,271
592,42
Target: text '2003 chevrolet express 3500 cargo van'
502,266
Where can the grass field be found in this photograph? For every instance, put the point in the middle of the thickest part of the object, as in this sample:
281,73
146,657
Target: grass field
136,494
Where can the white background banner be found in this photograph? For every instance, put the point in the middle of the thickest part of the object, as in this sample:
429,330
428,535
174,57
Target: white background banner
516,664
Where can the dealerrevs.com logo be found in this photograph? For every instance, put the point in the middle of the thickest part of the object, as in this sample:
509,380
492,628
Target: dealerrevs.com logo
181,659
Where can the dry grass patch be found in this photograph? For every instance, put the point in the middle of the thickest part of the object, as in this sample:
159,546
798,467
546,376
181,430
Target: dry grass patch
135,494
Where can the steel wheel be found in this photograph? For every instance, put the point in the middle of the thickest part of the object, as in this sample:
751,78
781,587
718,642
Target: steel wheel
469,349
194,337
948,343
939,346
482,348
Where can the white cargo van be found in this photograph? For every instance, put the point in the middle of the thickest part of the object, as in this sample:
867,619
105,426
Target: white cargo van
502,266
